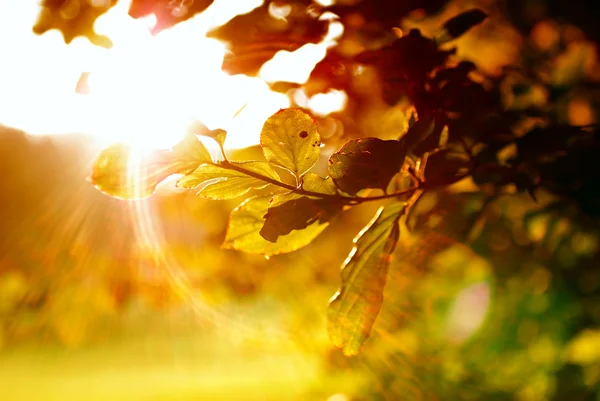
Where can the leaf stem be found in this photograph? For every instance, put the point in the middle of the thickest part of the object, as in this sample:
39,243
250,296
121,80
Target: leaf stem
350,200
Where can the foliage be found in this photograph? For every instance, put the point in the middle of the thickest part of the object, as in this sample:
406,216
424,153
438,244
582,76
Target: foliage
450,137
475,158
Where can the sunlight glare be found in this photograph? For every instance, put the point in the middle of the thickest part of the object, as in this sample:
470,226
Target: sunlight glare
323,104
147,90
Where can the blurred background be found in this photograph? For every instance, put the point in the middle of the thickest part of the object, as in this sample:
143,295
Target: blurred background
134,300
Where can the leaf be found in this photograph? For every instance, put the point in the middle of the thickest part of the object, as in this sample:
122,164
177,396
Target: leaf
354,308
446,165
226,183
366,163
315,183
417,132
219,135
190,148
125,174
246,221
405,66
73,18
255,37
291,211
458,25
290,139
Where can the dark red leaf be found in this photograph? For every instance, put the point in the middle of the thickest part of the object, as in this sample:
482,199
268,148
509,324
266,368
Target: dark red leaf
366,163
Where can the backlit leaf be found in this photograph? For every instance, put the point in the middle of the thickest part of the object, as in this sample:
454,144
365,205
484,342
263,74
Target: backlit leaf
291,211
290,139
226,183
355,306
366,163
315,183
190,148
246,221
219,135
255,37
126,174
73,18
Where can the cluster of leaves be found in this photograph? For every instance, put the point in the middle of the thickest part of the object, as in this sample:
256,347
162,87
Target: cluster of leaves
459,127
75,18
282,217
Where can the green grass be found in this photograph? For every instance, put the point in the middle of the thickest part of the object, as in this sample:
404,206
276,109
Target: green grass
156,359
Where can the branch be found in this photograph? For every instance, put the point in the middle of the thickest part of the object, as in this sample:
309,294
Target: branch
350,200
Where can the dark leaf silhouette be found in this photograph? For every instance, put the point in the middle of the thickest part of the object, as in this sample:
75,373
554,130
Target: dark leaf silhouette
366,163
290,211
457,26
405,65
446,165
246,221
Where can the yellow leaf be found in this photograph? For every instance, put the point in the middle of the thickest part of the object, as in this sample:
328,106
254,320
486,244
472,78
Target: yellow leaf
354,308
290,140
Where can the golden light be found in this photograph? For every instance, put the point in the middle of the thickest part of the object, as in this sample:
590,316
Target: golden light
146,90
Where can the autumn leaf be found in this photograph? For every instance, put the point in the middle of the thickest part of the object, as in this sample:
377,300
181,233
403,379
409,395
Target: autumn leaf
355,306
255,37
315,183
191,149
291,211
366,163
225,183
290,140
124,173
218,135
73,18
246,221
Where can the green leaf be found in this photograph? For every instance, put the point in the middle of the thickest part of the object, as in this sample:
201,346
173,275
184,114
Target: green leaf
290,139
458,25
291,211
222,182
123,173
355,306
315,183
366,163
246,221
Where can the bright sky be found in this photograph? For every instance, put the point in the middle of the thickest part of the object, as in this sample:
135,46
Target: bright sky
145,90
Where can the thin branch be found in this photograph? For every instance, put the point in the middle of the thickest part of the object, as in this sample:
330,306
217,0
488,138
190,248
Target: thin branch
351,200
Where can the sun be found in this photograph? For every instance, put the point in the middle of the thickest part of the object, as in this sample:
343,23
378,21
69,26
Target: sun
147,90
